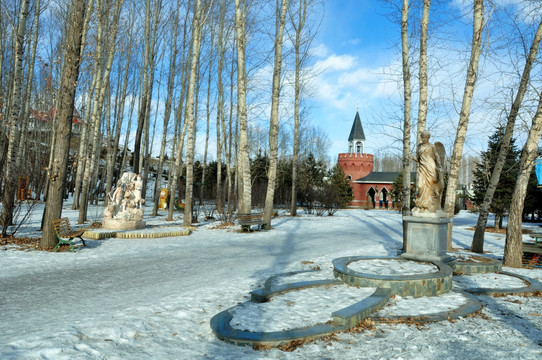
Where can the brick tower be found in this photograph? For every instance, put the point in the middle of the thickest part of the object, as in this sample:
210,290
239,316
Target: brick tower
356,163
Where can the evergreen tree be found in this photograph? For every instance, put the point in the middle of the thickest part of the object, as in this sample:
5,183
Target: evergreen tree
310,177
337,193
482,173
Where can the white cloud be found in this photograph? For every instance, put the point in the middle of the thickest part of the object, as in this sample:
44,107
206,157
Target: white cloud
319,51
336,63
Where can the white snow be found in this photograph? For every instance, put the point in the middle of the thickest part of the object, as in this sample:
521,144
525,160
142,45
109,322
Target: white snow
154,298
489,281
291,310
392,267
409,306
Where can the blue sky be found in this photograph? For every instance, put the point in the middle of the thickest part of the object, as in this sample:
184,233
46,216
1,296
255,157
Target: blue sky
356,47
354,44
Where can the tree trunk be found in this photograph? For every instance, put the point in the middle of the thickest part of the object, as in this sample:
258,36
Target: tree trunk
144,76
72,46
407,96
191,118
297,92
455,160
167,112
23,140
101,85
10,171
208,119
220,121
83,141
243,161
422,106
513,248
274,124
478,238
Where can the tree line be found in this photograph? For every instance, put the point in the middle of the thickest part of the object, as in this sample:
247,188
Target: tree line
88,88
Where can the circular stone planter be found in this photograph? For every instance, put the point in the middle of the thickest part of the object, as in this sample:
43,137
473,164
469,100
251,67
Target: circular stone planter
417,285
478,265
531,285
343,319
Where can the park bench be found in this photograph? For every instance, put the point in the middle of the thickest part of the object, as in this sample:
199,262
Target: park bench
64,230
246,220
536,236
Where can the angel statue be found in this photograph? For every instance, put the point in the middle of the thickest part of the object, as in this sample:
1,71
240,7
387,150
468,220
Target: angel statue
430,177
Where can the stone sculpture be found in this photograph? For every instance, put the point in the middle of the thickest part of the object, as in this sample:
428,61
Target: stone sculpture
430,178
124,209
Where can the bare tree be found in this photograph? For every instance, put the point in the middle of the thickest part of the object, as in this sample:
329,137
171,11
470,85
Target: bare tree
102,84
53,208
301,41
407,110
274,124
191,118
455,160
478,238
167,109
513,248
10,171
243,162
220,119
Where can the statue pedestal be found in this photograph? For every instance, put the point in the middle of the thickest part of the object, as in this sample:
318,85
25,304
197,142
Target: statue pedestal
116,224
426,238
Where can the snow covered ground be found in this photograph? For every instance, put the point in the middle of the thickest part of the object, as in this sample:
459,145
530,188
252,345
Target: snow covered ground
154,298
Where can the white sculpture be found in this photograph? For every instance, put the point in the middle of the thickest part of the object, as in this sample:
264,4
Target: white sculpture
124,209
430,177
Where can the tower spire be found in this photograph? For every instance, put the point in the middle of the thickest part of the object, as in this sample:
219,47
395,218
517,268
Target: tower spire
356,140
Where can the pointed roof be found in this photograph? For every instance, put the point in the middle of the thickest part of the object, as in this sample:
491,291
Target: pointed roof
357,130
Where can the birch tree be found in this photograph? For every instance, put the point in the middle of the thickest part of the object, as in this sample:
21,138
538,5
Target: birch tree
468,93
478,238
274,123
407,109
220,121
167,108
70,73
301,42
10,171
145,84
102,85
513,248
243,161
191,118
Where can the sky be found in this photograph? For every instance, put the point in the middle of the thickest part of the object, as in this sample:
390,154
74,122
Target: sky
356,47
353,45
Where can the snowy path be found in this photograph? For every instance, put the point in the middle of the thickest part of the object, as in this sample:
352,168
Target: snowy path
153,298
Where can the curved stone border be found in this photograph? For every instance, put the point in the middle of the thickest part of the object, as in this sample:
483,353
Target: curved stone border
533,285
95,235
467,268
343,319
417,285
470,307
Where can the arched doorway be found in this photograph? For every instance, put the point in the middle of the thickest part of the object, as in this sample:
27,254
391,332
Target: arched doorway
371,198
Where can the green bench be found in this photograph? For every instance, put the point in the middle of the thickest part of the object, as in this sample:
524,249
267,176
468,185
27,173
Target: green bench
247,220
536,236
65,233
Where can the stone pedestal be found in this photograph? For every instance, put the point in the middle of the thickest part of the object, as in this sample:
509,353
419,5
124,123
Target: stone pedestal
426,238
116,224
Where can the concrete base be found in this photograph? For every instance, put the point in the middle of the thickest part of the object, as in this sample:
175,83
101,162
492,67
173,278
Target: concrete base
113,224
426,238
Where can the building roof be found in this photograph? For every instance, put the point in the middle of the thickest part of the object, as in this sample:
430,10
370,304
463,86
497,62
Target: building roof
49,115
357,130
385,177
